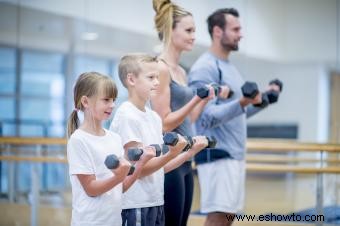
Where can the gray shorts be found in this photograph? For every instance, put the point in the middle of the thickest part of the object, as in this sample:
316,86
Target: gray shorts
149,216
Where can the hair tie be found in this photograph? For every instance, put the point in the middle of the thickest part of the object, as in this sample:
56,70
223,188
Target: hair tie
76,109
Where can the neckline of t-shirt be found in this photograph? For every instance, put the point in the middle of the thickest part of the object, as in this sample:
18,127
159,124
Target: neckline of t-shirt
216,58
140,112
92,135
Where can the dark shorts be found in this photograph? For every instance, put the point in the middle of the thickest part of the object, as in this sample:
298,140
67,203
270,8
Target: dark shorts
149,216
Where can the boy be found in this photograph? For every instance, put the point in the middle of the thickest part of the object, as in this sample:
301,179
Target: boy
139,126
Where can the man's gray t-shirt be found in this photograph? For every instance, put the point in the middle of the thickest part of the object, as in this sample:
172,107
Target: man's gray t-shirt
225,119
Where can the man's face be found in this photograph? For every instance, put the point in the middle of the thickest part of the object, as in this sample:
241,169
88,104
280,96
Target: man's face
231,34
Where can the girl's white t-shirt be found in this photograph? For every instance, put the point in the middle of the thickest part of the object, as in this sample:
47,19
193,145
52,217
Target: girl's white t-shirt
86,154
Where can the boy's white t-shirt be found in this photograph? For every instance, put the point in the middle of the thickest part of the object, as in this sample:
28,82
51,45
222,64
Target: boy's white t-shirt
86,154
133,124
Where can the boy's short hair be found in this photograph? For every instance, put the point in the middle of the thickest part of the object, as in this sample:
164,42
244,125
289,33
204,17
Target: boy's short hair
132,63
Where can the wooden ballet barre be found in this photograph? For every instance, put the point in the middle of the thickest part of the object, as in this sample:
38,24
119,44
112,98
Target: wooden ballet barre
266,158
283,145
16,150
33,159
32,141
272,168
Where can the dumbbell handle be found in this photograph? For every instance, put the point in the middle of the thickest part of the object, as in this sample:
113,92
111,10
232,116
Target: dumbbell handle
264,101
211,142
217,90
134,154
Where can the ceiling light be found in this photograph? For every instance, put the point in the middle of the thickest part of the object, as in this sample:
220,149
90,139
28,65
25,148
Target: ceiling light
89,36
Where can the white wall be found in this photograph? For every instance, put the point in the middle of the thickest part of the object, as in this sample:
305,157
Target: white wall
302,101
299,30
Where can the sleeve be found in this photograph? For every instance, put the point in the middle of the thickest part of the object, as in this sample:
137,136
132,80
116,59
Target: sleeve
251,110
127,128
201,76
79,158
213,114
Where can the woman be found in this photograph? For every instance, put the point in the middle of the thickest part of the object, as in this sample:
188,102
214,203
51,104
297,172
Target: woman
175,102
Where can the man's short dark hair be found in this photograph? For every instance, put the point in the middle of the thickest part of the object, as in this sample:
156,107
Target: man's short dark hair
217,18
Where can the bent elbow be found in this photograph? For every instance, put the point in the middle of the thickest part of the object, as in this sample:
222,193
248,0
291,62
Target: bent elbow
91,193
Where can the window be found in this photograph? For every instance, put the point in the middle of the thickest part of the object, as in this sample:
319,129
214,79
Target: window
7,91
42,95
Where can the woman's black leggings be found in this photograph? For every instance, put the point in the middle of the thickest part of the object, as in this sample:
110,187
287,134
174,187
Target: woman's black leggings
178,193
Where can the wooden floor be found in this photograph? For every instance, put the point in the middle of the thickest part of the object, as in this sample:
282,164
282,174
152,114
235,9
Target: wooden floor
263,195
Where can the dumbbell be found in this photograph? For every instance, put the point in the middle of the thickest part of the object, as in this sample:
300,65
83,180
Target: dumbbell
211,142
203,91
170,138
112,162
134,154
217,89
271,96
250,90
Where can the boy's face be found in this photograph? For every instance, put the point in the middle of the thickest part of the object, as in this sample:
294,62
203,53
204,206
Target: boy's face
147,80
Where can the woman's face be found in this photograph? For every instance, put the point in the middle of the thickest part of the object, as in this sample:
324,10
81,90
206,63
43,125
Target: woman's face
183,35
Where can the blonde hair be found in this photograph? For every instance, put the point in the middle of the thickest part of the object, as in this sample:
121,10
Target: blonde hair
132,63
167,16
89,84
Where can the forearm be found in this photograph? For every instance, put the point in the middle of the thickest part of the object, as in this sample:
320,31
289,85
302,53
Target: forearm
213,115
139,168
99,187
175,118
156,163
196,112
251,110
129,180
176,162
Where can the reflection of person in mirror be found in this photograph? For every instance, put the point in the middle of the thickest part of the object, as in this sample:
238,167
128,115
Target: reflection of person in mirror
221,171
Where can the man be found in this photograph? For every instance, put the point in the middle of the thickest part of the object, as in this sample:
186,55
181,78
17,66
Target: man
221,171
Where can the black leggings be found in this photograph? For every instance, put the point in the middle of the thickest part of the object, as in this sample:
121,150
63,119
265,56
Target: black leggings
178,193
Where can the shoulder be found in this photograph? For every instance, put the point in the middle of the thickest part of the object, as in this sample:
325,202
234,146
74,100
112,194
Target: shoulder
124,117
77,141
204,70
77,137
205,62
154,114
125,110
164,74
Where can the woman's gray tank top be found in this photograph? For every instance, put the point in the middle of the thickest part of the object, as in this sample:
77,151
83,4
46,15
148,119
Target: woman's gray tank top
179,96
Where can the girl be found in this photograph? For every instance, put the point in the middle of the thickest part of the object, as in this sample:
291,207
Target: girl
96,190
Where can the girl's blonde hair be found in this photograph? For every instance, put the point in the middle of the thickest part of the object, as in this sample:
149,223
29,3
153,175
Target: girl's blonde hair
89,84
167,16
